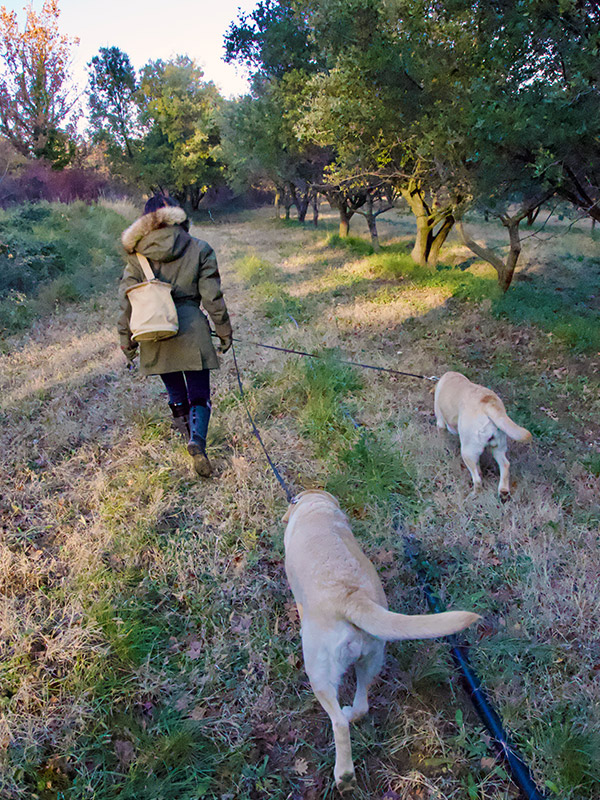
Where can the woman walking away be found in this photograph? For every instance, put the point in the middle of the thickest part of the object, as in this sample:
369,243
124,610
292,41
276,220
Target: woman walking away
183,361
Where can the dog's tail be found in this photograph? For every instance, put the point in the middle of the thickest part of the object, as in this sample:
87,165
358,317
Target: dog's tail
499,417
377,621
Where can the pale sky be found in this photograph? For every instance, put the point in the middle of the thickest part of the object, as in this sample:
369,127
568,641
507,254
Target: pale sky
147,30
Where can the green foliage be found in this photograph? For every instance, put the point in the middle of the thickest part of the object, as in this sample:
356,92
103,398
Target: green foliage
180,150
52,254
259,140
112,100
272,39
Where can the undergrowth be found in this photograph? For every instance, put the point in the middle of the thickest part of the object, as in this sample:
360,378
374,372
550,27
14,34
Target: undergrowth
563,313
53,254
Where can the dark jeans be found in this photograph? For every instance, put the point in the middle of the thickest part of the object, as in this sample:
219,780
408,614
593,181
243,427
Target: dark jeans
192,386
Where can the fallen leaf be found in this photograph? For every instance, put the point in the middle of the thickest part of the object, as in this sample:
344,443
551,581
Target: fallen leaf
194,650
300,766
198,712
183,702
125,752
240,624
488,763
384,557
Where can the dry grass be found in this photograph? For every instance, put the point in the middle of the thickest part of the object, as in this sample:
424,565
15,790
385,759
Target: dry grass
150,647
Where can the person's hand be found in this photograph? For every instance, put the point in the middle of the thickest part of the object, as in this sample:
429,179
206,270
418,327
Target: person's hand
130,353
226,342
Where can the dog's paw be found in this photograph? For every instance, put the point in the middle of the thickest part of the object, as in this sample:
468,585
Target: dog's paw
504,496
346,783
353,714
475,493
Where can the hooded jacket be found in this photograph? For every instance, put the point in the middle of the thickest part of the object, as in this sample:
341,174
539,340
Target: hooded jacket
190,266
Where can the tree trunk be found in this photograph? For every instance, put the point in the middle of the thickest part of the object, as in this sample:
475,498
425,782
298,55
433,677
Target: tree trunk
422,242
345,216
302,206
438,240
427,246
196,196
505,275
315,205
372,224
505,269
287,209
575,193
415,201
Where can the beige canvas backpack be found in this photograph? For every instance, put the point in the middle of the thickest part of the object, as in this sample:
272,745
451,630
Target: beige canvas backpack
153,311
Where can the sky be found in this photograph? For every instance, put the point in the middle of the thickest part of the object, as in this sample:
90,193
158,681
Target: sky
147,30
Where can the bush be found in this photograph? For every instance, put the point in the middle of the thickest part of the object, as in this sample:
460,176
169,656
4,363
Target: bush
52,254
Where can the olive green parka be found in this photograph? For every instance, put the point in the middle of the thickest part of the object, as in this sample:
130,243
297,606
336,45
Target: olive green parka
190,266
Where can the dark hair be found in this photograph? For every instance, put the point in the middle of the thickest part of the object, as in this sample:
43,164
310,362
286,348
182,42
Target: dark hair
157,201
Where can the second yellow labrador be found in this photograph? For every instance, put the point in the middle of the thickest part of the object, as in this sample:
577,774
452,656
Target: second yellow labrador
344,613
480,419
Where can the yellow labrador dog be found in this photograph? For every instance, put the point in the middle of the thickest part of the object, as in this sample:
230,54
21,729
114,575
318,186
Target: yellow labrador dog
344,613
480,419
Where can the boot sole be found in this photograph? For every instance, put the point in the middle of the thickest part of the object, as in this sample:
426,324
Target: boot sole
201,463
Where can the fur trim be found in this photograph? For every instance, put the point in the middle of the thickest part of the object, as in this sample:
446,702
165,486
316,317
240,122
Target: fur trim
168,215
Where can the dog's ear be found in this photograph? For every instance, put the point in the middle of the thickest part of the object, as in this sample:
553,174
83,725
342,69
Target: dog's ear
286,516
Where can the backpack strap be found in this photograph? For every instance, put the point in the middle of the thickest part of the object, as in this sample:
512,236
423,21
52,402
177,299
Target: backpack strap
146,268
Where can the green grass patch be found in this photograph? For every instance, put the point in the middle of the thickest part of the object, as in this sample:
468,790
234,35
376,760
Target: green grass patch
574,752
323,384
372,471
592,463
53,254
255,270
564,314
352,244
279,306
275,302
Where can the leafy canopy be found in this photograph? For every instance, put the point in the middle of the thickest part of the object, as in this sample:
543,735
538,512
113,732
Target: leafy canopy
36,98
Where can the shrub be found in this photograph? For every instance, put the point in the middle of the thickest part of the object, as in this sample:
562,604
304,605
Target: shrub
54,253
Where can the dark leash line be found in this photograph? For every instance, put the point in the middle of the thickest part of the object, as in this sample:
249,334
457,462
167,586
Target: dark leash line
518,769
338,360
288,493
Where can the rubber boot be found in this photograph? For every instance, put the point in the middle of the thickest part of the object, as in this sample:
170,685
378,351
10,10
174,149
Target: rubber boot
199,417
181,418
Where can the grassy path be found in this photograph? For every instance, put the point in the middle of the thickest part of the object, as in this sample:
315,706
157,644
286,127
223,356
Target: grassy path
150,646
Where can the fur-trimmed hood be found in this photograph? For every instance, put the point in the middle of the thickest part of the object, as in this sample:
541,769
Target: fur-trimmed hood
164,217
